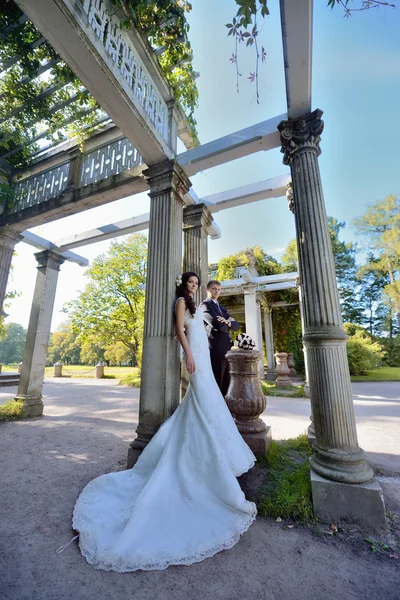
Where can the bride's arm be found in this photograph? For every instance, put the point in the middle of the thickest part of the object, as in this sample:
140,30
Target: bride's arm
180,334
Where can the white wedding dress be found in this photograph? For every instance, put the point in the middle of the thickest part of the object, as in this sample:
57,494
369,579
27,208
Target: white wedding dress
181,502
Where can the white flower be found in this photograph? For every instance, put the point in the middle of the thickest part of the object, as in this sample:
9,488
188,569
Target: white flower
178,281
245,342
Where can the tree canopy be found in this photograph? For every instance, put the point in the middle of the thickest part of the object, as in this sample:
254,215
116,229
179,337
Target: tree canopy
110,309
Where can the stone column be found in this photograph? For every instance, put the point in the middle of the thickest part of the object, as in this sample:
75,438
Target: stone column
259,341
310,429
337,455
37,338
8,240
269,343
252,313
196,220
160,380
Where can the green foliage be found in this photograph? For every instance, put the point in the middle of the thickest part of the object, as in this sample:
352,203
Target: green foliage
287,489
54,104
164,23
381,374
270,389
250,257
363,352
111,307
7,196
380,226
63,346
11,411
290,257
12,344
133,380
347,5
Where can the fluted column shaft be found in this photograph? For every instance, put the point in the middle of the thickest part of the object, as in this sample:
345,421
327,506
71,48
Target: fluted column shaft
337,455
196,221
8,240
269,339
253,317
160,379
37,338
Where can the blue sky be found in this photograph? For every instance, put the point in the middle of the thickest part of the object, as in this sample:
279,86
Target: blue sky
356,82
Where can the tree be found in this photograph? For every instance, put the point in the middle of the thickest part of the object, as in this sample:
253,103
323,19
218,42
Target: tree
250,257
111,307
289,257
13,343
372,284
64,346
380,226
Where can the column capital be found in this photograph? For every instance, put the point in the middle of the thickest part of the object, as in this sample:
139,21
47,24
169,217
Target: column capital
49,260
249,288
167,176
301,134
196,215
8,239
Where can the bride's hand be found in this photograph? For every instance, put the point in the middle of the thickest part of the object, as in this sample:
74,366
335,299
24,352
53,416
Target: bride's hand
190,364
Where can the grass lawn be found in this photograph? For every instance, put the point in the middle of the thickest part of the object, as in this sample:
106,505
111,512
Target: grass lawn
286,490
381,374
85,371
270,389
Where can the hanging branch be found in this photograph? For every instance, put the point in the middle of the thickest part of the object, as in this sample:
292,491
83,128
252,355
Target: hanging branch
365,5
246,17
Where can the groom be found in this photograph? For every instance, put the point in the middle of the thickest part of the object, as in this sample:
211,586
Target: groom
218,325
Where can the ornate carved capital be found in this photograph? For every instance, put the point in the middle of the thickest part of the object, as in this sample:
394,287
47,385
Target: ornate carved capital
49,260
196,216
290,197
167,176
301,134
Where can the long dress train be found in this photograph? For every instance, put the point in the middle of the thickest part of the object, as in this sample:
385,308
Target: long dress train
181,502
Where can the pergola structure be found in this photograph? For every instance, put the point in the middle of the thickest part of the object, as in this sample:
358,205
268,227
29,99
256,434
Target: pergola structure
136,150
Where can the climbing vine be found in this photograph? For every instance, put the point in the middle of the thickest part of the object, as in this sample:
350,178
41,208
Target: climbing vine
41,100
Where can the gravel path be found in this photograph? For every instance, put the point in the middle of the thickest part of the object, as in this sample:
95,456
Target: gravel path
85,432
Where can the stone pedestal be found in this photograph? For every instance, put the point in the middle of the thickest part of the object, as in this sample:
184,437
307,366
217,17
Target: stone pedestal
359,504
160,379
99,373
336,454
57,372
291,365
246,400
196,221
282,370
37,337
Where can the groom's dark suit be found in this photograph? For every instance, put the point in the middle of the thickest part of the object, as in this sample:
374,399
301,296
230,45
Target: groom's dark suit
219,340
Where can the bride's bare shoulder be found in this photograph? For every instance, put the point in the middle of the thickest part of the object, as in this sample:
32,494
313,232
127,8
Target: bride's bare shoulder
181,302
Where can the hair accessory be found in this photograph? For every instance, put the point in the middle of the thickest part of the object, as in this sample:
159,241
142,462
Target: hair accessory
178,281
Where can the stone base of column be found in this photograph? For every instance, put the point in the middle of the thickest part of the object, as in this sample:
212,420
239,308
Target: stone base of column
283,382
136,448
133,455
341,465
360,504
311,434
270,375
33,406
258,442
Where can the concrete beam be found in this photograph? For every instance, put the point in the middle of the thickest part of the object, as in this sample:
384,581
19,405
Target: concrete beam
42,244
268,188
74,31
75,200
262,136
296,23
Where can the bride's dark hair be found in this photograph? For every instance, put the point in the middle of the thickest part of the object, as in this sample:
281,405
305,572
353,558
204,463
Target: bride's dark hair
182,292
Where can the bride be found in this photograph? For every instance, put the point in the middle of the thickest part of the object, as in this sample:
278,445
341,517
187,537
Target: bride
181,502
